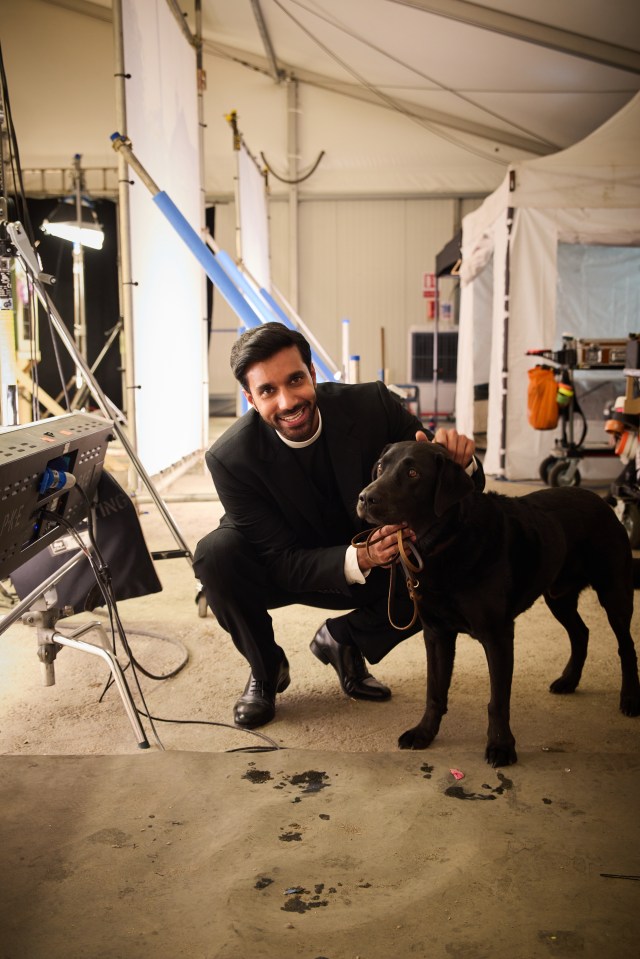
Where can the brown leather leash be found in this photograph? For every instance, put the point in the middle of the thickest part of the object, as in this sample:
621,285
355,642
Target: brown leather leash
409,568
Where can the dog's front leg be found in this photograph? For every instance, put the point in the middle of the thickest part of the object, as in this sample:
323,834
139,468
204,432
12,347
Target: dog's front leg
441,651
498,649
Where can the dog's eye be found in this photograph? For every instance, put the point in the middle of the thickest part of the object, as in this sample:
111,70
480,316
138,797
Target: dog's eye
378,469
413,473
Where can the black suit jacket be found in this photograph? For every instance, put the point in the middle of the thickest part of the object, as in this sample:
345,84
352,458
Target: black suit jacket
265,493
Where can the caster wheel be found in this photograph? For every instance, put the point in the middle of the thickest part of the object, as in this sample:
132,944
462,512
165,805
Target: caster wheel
545,466
202,606
563,473
631,522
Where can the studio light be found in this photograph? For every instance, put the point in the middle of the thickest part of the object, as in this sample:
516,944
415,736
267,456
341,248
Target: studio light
64,223
74,219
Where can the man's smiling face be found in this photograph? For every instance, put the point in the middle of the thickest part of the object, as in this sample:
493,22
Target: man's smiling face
283,391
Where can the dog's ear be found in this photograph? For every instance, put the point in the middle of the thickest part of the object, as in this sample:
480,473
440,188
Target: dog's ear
452,485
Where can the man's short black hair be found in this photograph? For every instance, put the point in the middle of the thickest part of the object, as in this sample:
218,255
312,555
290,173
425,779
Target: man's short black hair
261,343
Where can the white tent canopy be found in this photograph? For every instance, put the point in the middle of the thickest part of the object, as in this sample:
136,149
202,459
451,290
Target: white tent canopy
515,295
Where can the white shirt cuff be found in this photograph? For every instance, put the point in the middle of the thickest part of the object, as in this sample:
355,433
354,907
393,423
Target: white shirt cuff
352,572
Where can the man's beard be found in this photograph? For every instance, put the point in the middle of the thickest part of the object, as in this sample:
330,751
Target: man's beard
294,430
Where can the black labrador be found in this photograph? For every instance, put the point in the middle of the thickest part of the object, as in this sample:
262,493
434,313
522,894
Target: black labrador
487,558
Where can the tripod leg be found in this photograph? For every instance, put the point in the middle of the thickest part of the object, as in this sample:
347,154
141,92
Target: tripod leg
118,677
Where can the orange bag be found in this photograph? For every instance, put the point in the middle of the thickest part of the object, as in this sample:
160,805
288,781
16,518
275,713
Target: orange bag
542,403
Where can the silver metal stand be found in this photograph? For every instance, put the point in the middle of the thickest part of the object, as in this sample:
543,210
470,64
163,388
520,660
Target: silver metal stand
40,609
79,301
109,410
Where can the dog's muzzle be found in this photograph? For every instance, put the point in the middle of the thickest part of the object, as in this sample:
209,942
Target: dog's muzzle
371,504
365,502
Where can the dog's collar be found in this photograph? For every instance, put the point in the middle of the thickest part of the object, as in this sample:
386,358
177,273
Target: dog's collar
436,538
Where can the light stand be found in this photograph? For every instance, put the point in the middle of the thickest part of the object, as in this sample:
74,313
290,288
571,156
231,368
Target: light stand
109,410
40,610
79,303
74,220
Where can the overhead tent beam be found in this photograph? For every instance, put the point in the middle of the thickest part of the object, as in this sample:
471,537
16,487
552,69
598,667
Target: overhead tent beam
587,48
85,7
530,31
276,72
412,110
180,20
519,28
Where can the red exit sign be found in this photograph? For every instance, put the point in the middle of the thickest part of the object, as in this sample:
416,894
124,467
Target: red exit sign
429,286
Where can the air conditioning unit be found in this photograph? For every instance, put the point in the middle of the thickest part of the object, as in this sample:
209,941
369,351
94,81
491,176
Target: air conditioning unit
435,396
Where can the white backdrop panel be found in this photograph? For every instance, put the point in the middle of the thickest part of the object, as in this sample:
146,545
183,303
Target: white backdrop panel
168,298
254,219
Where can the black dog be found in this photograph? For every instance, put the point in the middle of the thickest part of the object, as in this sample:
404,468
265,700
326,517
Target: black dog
487,557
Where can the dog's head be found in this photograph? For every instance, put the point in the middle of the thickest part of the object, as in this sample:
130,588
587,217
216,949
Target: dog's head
413,483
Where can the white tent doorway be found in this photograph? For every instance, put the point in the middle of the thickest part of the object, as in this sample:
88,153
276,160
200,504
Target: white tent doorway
550,251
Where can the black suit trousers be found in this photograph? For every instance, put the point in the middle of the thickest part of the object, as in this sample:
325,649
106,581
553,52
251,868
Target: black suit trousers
240,593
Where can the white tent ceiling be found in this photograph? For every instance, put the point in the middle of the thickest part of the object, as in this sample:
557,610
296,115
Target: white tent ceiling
404,96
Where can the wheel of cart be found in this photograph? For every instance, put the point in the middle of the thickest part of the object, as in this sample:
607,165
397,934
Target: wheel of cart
629,515
560,468
201,603
545,466
625,502
564,472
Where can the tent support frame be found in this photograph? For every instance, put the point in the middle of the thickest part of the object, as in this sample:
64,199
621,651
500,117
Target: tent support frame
505,344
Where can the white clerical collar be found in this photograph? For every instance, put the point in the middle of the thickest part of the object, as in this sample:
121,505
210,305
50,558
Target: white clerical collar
301,445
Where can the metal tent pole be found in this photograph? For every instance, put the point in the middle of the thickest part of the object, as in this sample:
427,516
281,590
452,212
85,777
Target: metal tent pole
124,234
201,80
505,345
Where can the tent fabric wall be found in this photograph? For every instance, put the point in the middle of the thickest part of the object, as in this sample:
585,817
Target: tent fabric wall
589,194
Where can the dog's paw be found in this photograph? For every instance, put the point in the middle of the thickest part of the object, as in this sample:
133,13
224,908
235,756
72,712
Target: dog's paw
500,755
563,685
416,738
630,704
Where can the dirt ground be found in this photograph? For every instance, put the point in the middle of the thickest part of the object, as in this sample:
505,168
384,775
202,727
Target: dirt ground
316,837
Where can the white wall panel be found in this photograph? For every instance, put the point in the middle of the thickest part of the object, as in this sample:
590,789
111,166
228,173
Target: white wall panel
359,259
364,260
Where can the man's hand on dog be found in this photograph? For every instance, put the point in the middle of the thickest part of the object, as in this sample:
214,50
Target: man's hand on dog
383,547
461,447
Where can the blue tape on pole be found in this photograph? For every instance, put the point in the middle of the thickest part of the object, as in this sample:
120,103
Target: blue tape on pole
224,281
207,260
265,305
263,310
281,315
321,367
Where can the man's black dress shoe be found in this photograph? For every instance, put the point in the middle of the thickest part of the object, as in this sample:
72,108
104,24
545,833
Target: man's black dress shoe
257,705
348,662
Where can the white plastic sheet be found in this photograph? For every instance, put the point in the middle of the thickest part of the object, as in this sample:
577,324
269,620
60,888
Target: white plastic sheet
168,296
